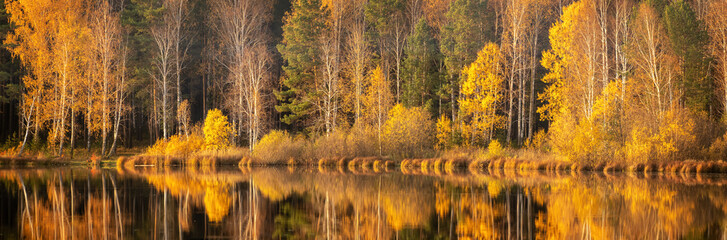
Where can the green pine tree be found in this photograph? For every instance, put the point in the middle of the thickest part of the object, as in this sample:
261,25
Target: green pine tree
302,28
468,28
689,40
420,67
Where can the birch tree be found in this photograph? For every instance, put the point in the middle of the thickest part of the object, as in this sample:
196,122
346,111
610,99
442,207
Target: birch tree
482,95
30,43
515,17
180,39
717,28
654,62
378,100
331,59
358,52
240,27
163,33
105,32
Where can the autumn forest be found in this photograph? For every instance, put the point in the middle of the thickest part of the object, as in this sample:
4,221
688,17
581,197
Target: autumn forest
586,81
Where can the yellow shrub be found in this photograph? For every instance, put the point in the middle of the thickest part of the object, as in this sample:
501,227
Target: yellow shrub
537,141
674,139
408,131
718,149
159,148
444,133
217,130
178,145
363,140
638,148
331,146
277,147
495,149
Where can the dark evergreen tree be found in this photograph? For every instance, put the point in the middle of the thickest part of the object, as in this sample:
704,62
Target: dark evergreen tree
689,40
299,49
420,67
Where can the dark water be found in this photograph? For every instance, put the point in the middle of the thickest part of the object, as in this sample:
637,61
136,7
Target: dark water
278,203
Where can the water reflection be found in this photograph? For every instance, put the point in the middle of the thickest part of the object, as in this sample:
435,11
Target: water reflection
277,203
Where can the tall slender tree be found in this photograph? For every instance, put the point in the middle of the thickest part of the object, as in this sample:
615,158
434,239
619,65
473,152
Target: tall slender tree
300,50
240,24
163,33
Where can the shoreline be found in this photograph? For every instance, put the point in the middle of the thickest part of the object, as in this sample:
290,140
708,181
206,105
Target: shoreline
377,164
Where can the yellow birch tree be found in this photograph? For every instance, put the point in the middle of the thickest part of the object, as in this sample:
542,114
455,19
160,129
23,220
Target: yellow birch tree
482,94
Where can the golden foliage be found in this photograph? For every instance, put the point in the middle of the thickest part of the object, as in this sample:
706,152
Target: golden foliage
217,202
277,147
558,60
495,149
481,95
718,149
378,97
444,133
178,145
672,140
537,141
408,131
217,130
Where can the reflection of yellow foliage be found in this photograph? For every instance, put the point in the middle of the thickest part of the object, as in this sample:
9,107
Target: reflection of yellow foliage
494,188
274,194
212,189
404,212
443,201
217,202
477,218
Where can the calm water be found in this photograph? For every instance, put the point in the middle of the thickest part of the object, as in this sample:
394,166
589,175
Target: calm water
277,203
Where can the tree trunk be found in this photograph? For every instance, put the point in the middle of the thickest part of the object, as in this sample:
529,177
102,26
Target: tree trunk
27,127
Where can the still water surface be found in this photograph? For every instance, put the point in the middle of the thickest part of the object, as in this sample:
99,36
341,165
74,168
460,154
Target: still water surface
278,203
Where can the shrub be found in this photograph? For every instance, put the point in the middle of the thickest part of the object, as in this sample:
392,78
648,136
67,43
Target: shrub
495,149
537,141
718,149
408,131
217,130
444,133
363,140
184,146
277,147
332,145
673,140
178,145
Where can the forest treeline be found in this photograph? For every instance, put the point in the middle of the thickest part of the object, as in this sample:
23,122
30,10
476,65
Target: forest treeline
590,80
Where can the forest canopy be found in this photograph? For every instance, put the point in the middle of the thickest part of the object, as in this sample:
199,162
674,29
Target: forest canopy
641,81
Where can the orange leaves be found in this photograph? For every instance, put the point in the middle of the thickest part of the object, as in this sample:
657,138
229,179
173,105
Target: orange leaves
217,134
408,131
444,132
217,130
378,98
177,146
482,93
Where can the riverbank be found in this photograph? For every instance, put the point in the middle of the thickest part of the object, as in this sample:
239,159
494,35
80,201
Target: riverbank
448,162
439,165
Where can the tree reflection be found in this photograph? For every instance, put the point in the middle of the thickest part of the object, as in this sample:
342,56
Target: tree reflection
282,204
